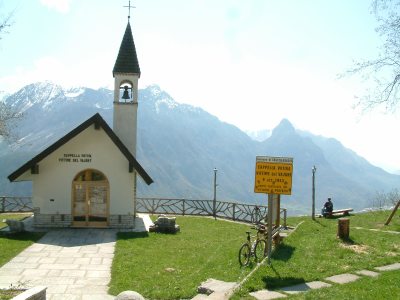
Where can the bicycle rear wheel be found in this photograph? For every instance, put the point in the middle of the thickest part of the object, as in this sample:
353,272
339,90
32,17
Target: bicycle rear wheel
259,250
244,255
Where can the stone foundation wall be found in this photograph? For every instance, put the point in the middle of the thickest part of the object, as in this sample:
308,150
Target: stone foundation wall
65,220
51,220
122,221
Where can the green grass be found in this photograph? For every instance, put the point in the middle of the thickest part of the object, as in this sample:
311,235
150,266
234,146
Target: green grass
8,294
12,244
385,286
313,252
376,220
172,266
208,249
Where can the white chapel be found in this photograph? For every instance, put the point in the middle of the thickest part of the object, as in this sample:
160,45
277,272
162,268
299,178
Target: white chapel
88,177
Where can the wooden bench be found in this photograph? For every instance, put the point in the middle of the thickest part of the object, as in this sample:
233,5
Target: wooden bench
344,212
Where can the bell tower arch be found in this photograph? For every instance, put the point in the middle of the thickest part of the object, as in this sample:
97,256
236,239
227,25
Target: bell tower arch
126,75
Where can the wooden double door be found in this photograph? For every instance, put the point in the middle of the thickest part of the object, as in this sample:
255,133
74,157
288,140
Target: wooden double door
90,199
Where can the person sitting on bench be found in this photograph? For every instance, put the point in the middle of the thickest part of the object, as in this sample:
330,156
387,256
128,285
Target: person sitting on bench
328,208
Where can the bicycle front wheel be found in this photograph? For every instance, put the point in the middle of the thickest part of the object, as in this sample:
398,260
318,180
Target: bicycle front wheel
244,255
260,250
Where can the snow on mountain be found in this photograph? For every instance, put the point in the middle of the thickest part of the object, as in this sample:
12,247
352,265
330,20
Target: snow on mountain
74,92
41,94
164,102
47,96
259,135
179,145
3,96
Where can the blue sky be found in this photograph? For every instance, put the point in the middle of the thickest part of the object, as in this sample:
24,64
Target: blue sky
250,63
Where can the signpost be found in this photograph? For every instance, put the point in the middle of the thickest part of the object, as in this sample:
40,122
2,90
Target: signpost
273,176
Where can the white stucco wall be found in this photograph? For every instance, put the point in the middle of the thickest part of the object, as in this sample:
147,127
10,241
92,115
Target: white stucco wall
55,177
125,124
125,113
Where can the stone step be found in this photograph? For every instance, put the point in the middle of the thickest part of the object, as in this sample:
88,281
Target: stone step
338,279
213,285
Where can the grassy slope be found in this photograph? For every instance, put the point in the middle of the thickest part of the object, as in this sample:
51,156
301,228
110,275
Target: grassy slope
12,244
204,249
313,252
208,249
385,286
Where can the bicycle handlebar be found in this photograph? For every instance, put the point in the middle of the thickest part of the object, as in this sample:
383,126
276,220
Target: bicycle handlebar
258,227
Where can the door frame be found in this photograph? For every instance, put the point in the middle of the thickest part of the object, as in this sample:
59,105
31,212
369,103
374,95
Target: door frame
87,185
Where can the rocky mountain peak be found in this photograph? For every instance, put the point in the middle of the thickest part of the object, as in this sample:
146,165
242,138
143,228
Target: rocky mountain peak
283,128
41,94
179,145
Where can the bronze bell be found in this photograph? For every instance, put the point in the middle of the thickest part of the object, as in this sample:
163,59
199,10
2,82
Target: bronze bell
125,95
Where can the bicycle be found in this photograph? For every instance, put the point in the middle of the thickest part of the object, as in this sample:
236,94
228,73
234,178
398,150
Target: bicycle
254,248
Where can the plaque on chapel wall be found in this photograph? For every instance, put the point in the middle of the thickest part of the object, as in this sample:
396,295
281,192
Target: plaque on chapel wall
76,158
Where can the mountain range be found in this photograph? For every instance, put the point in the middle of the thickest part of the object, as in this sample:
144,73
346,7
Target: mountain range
180,145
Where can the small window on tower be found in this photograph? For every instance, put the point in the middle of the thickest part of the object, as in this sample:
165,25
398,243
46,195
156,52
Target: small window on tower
125,90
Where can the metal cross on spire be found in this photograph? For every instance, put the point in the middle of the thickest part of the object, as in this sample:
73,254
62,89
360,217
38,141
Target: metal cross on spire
129,9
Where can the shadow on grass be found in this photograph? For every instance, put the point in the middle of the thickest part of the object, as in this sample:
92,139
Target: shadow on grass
334,217
279,282
349,241
283,252
319,223
22,236
132,235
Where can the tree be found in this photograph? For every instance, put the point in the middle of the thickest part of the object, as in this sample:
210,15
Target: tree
4,24
7,114
383,72
383,200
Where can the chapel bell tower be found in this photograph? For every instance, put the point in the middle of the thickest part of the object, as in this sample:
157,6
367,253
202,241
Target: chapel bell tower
126,75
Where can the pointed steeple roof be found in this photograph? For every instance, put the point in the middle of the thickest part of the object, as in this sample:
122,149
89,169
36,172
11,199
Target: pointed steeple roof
127,61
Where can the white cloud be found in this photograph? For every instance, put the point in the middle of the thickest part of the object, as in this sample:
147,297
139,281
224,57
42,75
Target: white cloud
88,73
61,6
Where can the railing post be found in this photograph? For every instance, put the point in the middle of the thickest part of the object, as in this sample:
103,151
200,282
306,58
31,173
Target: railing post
284,217
183,207
234,212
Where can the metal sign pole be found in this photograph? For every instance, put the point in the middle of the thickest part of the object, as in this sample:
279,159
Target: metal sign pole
314,169
269,231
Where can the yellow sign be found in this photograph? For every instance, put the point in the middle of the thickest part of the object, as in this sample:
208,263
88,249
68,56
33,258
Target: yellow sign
273,175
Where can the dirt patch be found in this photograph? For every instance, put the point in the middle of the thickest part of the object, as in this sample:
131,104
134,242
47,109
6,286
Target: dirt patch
356,248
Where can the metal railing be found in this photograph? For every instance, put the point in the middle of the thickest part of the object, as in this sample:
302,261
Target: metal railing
221,209
15,204
228,210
